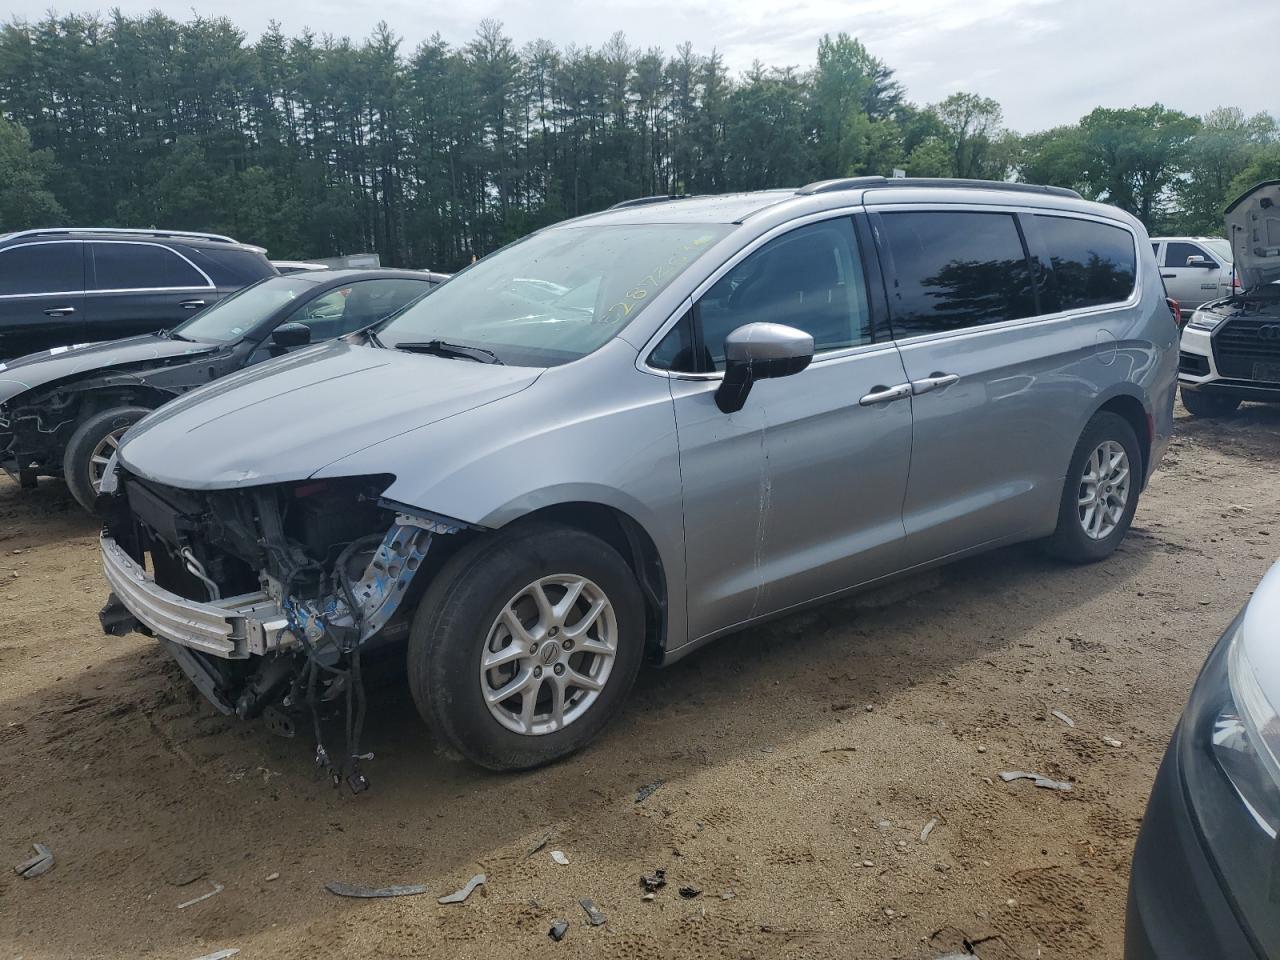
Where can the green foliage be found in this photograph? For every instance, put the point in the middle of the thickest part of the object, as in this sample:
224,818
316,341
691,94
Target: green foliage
25,199
314,145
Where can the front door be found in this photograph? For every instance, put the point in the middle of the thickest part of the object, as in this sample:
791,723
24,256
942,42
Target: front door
799,494
41,296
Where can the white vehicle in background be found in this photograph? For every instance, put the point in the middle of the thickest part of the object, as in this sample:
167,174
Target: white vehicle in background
1230,348
1195,270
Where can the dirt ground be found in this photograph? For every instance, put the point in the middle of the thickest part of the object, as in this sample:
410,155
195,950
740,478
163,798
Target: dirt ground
800,763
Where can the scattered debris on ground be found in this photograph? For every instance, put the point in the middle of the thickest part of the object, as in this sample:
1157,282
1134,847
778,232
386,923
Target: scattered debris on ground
1064,718
42,862
559,857
690,891
458,896
1008,776
928,829
558,929
539,845
217,889
220,954
654,881
372,893
593,913
647,790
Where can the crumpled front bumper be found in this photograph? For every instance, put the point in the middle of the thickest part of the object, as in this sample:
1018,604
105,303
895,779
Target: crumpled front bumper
234,628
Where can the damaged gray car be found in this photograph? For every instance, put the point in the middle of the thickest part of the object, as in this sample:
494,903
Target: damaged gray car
631,433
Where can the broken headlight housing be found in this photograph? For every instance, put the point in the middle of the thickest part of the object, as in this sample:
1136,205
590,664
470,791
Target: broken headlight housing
1227,755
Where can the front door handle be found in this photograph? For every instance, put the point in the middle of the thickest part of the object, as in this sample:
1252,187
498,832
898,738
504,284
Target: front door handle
191,304
935,382
1168,276
885,394
59,311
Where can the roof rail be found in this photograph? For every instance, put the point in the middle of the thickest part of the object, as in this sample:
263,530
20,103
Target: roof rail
642,201
124,231
863,183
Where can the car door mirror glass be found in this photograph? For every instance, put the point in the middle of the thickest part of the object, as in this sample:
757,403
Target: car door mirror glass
291,335
760,351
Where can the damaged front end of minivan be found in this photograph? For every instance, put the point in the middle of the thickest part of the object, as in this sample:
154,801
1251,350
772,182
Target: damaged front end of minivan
268,596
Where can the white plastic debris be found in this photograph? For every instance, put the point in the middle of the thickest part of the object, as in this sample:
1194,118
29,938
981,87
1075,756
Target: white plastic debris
220,954
217,889
928,829
559,857
1064,718
458,896
1112,742
1040,781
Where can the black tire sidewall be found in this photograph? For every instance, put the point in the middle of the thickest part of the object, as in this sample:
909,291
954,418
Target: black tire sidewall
1207,405
86,436
1069,541
453,621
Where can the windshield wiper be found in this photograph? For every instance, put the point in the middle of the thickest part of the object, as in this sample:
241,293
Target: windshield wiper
170,335
442,348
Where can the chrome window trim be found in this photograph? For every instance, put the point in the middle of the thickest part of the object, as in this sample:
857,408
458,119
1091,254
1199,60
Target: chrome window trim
52,293
833,213
208,281
1134,299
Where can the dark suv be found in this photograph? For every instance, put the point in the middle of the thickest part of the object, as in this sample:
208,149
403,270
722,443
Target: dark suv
65,286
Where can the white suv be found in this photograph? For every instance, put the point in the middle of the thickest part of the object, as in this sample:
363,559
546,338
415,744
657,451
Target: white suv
1195,270
1230,349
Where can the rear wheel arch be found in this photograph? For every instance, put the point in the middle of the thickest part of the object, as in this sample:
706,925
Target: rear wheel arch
1129,407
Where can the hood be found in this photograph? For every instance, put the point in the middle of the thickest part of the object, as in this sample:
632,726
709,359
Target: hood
64,363
1253,225
288,418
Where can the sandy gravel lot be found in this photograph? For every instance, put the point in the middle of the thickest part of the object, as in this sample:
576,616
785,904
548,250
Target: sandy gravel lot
800,763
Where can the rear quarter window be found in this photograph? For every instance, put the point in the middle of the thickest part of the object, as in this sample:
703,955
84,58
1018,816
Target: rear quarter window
1092,263
232,267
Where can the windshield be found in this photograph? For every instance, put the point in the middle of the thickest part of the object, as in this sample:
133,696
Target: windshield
1221,249
555,296
235,315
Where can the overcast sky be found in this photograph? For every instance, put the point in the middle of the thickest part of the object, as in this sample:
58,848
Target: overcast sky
1047,61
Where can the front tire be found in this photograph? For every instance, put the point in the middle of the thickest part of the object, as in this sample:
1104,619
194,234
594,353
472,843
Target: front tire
1100,495
1201,404
90,448
525,645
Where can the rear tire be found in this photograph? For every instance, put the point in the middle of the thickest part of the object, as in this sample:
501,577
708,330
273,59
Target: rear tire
1101,491
467,615
1201,404
91,446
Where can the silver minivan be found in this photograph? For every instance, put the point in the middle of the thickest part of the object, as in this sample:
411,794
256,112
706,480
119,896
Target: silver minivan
634,432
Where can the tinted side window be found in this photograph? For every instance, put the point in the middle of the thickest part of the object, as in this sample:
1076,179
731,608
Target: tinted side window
42,268
955,269
1093,263
1175,254
810,278
134,266
355,306
231,267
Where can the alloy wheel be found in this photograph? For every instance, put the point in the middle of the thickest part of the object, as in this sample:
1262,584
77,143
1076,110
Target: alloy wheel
1104,489
548,654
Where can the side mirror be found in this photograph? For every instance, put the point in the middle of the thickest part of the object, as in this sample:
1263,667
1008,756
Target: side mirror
291,335
760,351
1196,261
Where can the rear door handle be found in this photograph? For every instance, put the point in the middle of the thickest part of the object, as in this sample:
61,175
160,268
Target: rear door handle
885,394
191,304
59,311
935,382
1168,276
